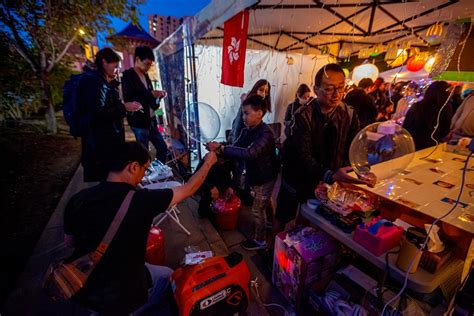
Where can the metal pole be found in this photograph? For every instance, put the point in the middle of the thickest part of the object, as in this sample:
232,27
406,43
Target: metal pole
192,68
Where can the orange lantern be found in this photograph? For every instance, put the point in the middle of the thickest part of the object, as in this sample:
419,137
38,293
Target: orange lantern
417,62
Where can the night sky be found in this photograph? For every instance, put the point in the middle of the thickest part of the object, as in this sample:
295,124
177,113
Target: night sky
176,8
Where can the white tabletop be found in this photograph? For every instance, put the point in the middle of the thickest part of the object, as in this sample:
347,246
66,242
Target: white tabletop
417,188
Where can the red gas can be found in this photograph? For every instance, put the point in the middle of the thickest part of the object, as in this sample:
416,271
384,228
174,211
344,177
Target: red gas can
226,212
218,286
155,246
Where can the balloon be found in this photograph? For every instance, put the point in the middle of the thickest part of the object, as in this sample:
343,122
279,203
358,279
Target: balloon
201,122
400,58
415,63
429,64
384,149
365,71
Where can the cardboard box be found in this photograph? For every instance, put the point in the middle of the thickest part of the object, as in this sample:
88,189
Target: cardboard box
302,256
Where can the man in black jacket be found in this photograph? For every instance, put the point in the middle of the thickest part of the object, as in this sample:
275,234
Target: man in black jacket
102,114
136,86
364,104
255,146
318,149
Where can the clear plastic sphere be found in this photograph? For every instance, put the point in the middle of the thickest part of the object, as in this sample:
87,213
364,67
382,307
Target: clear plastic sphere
201,122
384,149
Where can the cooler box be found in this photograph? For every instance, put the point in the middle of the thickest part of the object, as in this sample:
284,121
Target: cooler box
218,286
302,256
155,247
226,212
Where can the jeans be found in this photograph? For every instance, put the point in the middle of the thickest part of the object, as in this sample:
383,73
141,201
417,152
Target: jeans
262,195
159,299
144,135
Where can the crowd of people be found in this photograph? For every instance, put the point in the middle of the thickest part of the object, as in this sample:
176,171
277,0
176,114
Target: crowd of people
319,127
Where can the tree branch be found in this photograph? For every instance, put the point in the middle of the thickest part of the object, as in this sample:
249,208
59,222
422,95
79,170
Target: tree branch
61,55
18,43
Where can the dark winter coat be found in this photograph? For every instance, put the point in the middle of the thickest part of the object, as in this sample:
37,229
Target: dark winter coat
256,146
134,90
102,114
364,104
318,147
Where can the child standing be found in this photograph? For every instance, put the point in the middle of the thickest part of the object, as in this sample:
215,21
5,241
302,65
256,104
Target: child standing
256,147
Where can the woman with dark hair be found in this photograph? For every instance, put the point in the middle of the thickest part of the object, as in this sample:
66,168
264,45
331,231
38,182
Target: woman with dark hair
261,88
303,97
101,114
421,119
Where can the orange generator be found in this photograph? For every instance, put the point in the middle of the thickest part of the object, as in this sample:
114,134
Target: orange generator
217,286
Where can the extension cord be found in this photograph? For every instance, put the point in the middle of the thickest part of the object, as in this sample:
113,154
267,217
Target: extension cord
287,311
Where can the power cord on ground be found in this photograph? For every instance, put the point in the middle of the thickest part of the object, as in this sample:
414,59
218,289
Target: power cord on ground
286,312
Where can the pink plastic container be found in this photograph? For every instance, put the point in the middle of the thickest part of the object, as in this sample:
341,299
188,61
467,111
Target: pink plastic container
381,239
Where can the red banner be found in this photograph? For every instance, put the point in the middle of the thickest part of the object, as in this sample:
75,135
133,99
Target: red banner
233,50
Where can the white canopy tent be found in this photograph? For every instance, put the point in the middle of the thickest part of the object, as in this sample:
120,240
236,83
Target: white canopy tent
300,29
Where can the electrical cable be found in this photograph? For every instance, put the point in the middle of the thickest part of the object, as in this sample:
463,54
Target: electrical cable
255,285
428,236
437,124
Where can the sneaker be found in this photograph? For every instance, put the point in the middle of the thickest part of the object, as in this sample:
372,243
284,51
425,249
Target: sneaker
251,244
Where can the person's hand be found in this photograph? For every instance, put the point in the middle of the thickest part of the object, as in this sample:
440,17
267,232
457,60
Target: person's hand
160,94
213,146
210,158
133,106
341,175
369,178
214,193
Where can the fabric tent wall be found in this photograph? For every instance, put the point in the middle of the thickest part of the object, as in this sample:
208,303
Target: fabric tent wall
260,64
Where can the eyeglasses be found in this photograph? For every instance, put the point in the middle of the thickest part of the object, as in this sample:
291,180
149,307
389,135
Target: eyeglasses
329,90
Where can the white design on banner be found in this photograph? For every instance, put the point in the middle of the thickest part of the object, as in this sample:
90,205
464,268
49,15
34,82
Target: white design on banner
233,50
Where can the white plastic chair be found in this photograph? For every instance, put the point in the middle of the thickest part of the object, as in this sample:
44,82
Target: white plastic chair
171,212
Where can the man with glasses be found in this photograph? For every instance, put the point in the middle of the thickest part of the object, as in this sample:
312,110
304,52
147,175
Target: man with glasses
318,149
122,283
136,86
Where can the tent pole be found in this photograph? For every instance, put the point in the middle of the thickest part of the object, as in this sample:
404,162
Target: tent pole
192,69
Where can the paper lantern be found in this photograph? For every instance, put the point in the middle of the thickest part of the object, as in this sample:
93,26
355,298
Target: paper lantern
345,52
392,50
324,50
414,51
434,33
429,64
416,63
401,57
365,71
346,72
378,49
405,44
364,53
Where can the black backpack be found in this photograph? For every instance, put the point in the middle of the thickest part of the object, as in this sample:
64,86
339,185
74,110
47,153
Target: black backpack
70,107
